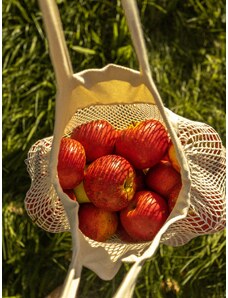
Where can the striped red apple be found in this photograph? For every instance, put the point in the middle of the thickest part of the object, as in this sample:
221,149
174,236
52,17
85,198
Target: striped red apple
97,137
162,177
110,183
71,163
144,216
143,144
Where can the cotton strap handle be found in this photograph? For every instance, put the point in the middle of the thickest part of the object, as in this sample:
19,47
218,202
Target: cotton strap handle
60,55
57,45
134,25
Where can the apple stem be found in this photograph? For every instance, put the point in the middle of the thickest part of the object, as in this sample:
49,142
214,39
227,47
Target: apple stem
133,124
127,185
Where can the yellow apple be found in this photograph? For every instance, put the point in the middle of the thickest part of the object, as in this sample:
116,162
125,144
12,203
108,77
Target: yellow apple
81,194
173,158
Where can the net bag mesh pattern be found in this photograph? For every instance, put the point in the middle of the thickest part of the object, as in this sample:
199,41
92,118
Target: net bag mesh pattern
203,151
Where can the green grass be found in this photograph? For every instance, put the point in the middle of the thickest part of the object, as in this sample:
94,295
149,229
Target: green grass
186,48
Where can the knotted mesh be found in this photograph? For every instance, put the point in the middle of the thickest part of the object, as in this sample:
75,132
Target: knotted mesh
203,151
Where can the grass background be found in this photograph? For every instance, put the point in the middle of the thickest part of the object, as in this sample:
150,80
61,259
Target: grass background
186,48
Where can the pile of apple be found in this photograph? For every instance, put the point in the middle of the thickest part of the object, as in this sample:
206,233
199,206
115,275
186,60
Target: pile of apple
126,181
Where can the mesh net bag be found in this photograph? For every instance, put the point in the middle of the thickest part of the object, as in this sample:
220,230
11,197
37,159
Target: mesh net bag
121,95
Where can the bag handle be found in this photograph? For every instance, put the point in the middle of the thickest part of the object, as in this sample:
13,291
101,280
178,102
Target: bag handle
57,44
61,59
134,25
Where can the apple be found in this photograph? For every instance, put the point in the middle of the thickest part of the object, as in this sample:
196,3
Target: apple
162,177
71,163
123,235
31,206
109,182
70,193
166,157
42,211
143,144
173,158
140,180
51,213
144,216
173,195
205,222
211,215
198,223
37,207
97,224
81,194
97,137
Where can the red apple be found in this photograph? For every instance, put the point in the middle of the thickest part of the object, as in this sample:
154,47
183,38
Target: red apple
199,224
205,222
211,215
173,195
95,223
70,193
166,157
32,207
71,163
162,178
144,144
41,210
144,216
97,137
123,235
110,183
140,180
